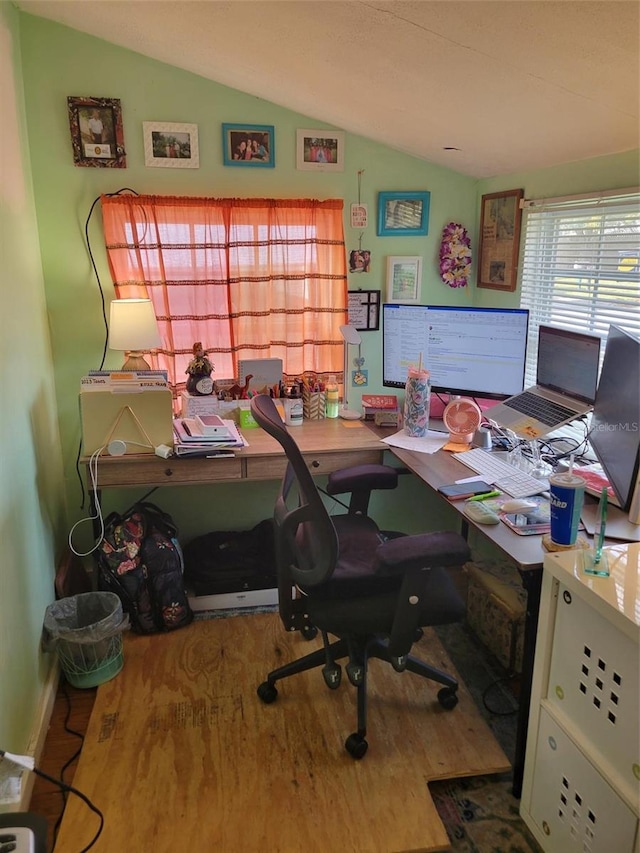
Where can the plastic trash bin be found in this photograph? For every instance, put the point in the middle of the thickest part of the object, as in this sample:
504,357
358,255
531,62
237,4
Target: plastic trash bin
86,632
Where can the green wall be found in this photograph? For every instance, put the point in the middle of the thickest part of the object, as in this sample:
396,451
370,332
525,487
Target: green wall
153,91
52,305
32,517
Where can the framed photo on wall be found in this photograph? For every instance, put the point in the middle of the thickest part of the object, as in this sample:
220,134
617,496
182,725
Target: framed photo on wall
404,276
364,310
97,135
320,150
403,214
499,245
171,145
251,145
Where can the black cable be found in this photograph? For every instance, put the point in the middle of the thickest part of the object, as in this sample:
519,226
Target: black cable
70,789
490,687
104,315
69,762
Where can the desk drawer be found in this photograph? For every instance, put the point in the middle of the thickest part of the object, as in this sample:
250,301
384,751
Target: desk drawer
273,467
160,472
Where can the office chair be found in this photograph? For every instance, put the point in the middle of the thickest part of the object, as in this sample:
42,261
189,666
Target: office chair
341,575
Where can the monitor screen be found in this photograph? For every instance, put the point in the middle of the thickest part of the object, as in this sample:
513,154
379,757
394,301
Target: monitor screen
615,423
479,352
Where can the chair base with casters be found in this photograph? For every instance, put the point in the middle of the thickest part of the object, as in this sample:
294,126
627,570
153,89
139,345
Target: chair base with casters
342,576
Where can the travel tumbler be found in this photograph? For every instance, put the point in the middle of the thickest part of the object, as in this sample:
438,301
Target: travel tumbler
417,396
566,499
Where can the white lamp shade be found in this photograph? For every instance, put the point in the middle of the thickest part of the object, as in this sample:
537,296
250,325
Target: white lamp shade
133,326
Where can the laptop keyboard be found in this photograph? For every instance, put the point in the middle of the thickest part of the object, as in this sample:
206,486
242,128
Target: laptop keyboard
506,477
543,410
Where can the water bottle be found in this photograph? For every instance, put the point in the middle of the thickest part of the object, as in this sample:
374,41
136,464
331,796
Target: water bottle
417,395
333,399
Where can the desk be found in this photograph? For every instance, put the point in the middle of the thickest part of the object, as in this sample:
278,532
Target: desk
329,445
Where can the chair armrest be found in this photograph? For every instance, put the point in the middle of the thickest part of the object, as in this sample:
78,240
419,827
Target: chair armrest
420,551
362,478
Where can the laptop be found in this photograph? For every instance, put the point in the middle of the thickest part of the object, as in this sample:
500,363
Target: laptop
566,376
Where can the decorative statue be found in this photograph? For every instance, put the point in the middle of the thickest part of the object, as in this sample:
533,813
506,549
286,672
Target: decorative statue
199,370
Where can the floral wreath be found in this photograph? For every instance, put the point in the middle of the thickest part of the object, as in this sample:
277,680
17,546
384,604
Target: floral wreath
455,255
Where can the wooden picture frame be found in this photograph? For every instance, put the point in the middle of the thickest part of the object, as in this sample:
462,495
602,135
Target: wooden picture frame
404,277
97,135
403,214
364,310
499,243
171,145
257,139
320,150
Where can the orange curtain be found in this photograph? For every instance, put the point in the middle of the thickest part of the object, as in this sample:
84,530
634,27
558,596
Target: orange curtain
248,278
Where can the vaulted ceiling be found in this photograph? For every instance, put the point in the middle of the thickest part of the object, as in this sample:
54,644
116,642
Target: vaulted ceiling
485,88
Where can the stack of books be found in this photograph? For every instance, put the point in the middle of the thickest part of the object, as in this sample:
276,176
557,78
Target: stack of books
381,408
206,435
124,381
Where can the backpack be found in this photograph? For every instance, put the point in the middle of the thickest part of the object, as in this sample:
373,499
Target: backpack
139,558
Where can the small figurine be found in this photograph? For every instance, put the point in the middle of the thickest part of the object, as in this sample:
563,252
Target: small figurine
199,370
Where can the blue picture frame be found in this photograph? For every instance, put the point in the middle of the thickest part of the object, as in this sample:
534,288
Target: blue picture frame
403,214
260,137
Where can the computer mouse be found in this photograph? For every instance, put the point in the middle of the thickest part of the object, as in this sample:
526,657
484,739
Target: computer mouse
517,505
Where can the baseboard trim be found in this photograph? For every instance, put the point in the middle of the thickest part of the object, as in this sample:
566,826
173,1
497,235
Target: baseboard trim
40,729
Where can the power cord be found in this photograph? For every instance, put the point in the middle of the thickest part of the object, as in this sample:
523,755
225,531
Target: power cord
29,763
121,191
93,474
69,762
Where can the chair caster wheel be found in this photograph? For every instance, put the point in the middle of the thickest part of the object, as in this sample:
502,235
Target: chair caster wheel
356,746
309,632
448,698
267,692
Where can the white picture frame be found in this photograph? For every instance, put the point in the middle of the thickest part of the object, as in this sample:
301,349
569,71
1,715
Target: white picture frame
171,145
320,150
404,278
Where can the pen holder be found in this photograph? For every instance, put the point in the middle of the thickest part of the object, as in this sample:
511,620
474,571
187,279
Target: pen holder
313,404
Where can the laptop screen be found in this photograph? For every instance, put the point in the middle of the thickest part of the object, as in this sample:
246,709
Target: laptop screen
568,362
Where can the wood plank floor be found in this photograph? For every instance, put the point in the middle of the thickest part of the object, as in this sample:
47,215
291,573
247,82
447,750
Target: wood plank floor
181,755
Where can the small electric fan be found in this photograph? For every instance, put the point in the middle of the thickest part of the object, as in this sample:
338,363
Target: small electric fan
462,417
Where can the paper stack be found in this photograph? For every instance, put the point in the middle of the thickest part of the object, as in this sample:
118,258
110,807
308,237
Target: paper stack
124,381
191,440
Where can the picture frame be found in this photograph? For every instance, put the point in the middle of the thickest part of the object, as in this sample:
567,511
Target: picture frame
171,145
404,277
499,244
364,310
403,214
97,134
320,150
257,139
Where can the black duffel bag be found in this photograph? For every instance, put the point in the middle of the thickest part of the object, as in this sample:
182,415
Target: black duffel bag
231,561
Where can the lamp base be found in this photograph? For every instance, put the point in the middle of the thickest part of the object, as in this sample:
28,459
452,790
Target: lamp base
349,414
136,361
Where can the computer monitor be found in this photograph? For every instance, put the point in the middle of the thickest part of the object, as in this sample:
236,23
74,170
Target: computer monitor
615,422
478,352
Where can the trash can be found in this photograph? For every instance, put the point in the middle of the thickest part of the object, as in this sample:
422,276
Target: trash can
86,632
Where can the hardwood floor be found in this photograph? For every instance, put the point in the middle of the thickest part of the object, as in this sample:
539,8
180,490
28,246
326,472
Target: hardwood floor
70,718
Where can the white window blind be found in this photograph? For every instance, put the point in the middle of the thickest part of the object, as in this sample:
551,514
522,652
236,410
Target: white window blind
581,266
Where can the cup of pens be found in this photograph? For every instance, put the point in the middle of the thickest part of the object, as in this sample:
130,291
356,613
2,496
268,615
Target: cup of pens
417,396
595,559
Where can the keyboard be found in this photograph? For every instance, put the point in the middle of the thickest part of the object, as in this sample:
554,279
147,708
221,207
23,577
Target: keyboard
544,410
506,477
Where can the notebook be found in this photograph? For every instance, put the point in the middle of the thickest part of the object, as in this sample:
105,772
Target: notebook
566,377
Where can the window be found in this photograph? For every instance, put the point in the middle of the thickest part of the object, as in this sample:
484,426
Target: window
248,278
580,266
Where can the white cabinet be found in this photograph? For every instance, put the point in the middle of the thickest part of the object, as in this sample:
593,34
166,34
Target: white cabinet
581,787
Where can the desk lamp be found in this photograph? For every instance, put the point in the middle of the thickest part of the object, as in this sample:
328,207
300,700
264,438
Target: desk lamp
351,336
134,329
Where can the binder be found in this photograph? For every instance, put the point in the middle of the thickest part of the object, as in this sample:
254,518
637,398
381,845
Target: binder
143,420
